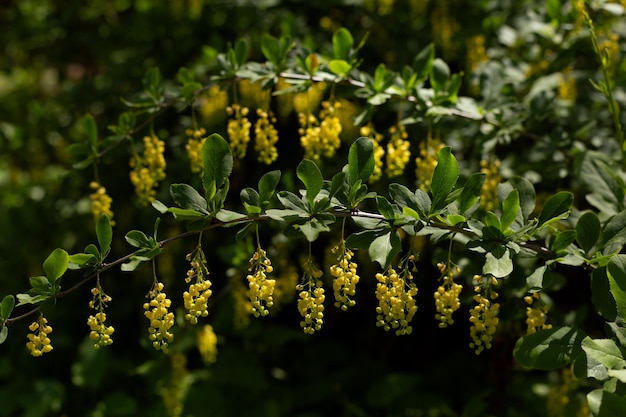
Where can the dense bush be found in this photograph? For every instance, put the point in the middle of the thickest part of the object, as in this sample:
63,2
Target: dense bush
280,208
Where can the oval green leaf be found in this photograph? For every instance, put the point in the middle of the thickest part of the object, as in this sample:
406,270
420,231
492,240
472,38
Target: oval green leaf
56,264
550,348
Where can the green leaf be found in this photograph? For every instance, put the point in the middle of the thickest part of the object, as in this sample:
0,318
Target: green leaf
270,49
340,67
311,176
423,62
241,52
267,185
616,271
250,200
360,160
104,233
138,239
153,84
6,307
471,192
562,240
588,230
188,198
91,130
405,198
601,295
384,249
527,195
614,234
342,44
540,279
80,260
557,207
510,208
56,264
445,176
185,214
4,333
218,164
604,351
362,239
40,284
440,75
312,229
549,349
500,266
291,201
385,208
606,404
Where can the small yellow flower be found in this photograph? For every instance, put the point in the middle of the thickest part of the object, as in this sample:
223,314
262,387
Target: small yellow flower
426,162
149,169
99,332
39,340
265,137
447,295
260,287
488,193
311,299
536,314
207,344
345,277
396,306
238,130
196,138
484,315
160,318
196,298
320,136
100,201
398,152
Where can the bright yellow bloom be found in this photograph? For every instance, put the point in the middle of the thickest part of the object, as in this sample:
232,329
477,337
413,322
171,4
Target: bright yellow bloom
345,277
396,306
398,152
260,288
160,318
265,137
488,193
320,137
426,162
100,332
447,295
194,148
196,298
484,315
307,101
476,52
39,340
100,201
148,169
176,388
207,344
212,105
238,130
311,299
536,314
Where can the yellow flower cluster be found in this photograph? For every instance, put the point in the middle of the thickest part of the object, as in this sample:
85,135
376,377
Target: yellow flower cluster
447,295
484,316
238,129
308,100
567,86
100,201
196,298
38,341
444,28
213,104
260,288
311,302
174,391
345,277
379,151
398,152
560,395
536,315
194,148
488,195
161,319
241,302
148,169
207,344
265,137
426,162
476,52
320,137
100,333
396,306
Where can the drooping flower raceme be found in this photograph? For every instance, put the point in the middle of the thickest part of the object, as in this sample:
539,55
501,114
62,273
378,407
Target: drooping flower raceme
311,299
345,277
100,332
484,315
447,295
260,287
196,298
160,318
148,169
39,340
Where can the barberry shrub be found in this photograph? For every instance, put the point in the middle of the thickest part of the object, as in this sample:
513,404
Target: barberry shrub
317,196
